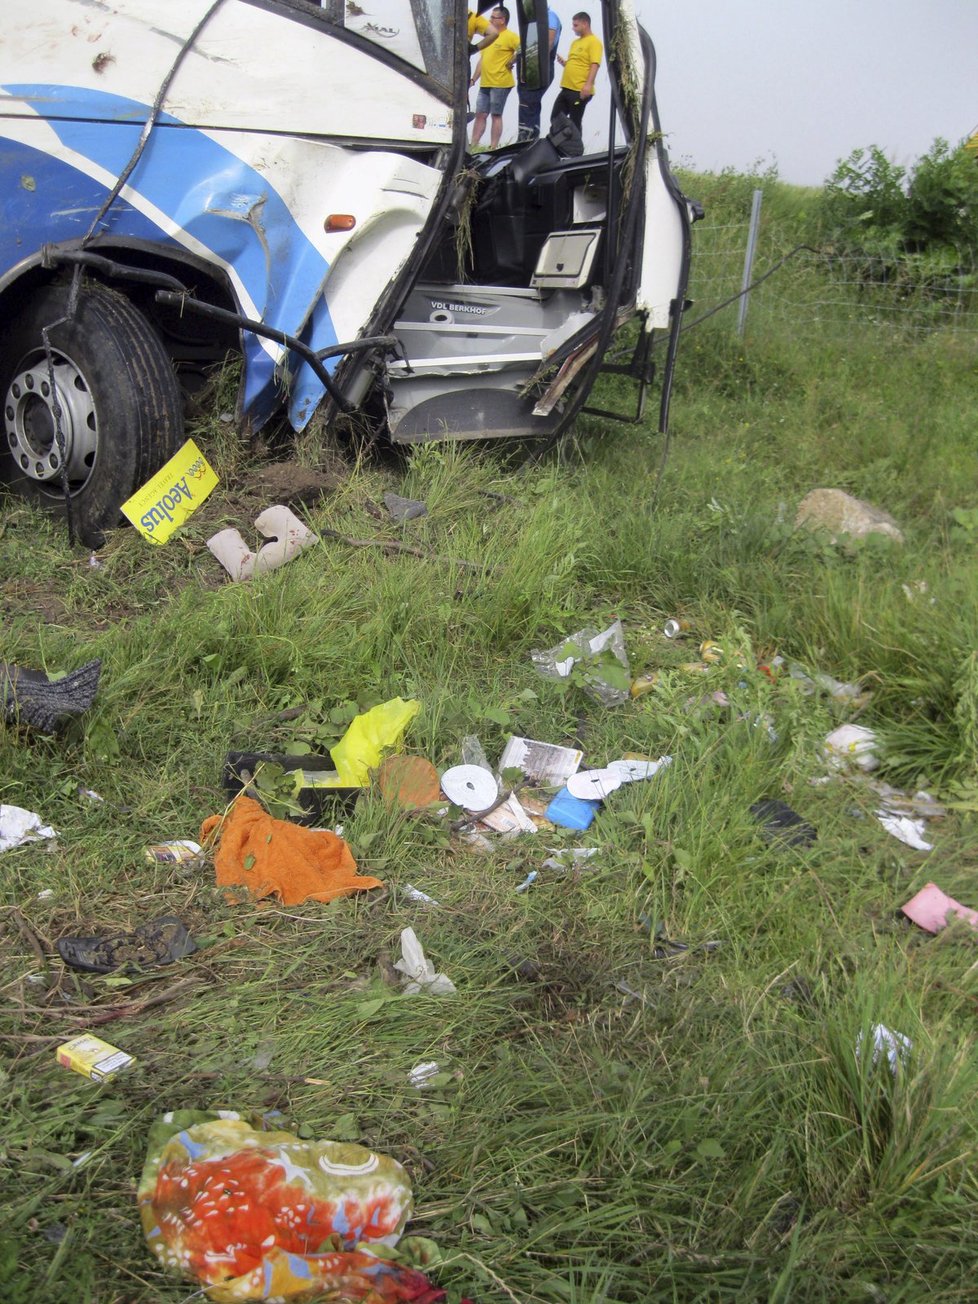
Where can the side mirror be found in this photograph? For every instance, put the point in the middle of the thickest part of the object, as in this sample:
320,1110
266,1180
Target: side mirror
534,44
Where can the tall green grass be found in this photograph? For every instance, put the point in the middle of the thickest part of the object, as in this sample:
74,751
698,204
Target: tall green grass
617,1127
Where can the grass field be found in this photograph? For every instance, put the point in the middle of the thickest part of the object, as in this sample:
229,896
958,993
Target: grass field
618,1126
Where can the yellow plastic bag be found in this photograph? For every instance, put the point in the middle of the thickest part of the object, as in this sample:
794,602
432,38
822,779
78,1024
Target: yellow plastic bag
362,747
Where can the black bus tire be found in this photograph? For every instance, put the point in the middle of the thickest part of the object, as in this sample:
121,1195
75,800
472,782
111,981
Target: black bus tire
122,414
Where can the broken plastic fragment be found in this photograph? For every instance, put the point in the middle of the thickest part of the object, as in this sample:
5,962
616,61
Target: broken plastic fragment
286,535
932,909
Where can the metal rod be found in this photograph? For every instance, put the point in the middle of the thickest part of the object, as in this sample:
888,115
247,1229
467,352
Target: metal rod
755,222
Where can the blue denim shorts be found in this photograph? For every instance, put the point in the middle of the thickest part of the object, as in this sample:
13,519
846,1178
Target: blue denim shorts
491,99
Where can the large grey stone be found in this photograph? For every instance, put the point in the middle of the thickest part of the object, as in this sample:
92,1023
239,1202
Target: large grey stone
839,513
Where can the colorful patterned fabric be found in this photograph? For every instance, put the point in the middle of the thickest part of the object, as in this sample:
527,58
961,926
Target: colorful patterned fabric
265,1216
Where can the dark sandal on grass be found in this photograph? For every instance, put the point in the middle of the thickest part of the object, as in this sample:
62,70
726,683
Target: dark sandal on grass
160,941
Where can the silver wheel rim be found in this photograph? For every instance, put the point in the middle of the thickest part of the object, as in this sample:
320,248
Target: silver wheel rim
30,423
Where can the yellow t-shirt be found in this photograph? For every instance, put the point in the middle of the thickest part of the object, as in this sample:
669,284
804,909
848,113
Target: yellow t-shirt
583,52
477,24
496,57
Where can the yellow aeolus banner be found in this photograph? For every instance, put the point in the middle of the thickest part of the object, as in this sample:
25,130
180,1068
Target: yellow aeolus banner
174,493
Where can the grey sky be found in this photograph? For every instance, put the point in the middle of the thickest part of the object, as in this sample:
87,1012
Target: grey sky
805,82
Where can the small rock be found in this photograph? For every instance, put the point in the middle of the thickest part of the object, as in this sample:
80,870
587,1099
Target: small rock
840,513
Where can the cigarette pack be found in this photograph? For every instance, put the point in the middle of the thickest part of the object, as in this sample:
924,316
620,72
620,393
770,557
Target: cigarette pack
92,1057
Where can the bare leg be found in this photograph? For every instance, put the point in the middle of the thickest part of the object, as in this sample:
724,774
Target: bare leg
496,130
478,127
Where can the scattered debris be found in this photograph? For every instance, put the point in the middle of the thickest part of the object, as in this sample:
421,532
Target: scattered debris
29,697
410,782
175,492
404,509
894,1045
780,824
545,763
421,1075
419,973
643,684
850,694
896,802
18,826
272,857
473,753
415,894
559,856
508,818
370,735
606,673
675,628
286,535
666,948
471,787
157,942
572,812
909,831
592,785
851,744
530,879
932,909
276,1203
841,514
92,1057
179,852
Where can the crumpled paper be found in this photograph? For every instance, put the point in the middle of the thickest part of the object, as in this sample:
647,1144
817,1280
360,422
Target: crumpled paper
419,973
18,826
909,831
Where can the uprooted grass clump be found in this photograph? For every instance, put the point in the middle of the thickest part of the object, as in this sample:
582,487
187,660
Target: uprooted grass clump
650,1087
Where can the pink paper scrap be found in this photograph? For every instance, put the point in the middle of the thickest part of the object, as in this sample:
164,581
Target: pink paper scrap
931,909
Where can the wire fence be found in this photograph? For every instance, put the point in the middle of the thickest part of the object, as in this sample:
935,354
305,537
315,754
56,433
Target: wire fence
817,287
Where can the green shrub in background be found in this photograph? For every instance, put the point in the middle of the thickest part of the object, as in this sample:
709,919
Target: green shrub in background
914,231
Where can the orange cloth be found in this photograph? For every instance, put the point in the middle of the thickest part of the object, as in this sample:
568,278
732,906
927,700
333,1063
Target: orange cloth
272,857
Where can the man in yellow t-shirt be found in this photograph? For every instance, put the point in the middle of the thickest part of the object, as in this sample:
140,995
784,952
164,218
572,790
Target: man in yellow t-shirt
480,26
580,69
495,67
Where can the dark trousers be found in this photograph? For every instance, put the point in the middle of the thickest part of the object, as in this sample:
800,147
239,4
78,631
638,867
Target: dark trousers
531,102
529,119
570,102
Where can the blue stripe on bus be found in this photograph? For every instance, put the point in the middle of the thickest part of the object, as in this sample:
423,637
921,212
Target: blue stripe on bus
203,188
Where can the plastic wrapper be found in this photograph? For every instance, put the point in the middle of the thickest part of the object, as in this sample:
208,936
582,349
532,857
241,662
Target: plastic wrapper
597,652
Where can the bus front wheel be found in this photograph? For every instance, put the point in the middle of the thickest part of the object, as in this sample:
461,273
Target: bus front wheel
106,377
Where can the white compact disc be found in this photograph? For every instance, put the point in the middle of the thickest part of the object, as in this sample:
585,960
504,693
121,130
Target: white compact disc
592,785
633,770
470,786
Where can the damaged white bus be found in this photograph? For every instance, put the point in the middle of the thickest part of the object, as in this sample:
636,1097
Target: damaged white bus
291,180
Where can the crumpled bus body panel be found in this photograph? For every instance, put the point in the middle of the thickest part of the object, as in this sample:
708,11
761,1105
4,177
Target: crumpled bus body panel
235,171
